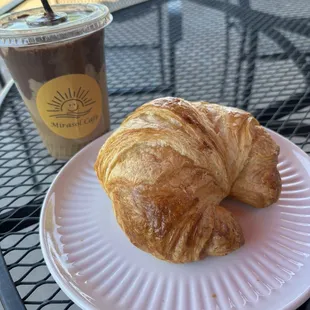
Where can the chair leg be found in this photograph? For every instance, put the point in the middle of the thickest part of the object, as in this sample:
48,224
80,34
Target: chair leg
161,44
172,71
252,35
227,53
241,58
174,35
251,66
241,55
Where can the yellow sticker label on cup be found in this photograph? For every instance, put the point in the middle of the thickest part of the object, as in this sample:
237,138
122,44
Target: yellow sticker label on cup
70,105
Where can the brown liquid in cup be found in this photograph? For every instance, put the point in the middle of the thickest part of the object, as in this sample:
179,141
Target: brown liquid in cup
31,67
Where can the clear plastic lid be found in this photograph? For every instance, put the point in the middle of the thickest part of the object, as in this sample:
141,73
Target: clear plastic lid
82,19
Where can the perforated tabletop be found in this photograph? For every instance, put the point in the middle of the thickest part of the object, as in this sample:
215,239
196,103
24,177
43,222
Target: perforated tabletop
253,55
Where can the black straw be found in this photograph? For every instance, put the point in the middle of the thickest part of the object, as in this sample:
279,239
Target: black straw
47,7
49,18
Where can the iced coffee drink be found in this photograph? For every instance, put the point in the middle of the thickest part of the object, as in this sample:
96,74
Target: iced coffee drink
60,73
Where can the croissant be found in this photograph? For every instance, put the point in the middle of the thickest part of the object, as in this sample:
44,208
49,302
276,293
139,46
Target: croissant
171,163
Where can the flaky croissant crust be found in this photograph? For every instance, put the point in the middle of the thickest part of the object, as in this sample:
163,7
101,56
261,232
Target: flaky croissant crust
171,163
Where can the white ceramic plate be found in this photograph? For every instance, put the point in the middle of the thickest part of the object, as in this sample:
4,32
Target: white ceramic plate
98,268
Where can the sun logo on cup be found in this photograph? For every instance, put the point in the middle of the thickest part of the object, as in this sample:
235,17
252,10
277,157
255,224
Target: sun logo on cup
71,104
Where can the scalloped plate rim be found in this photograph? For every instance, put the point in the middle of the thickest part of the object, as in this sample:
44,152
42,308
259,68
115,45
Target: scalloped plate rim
74,294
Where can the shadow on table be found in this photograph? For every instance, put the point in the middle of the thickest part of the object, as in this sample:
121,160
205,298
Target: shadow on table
250,23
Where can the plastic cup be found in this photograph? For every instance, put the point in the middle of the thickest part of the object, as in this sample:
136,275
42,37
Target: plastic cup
60,73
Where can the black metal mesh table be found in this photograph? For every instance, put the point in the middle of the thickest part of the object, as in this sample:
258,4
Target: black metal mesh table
254,55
